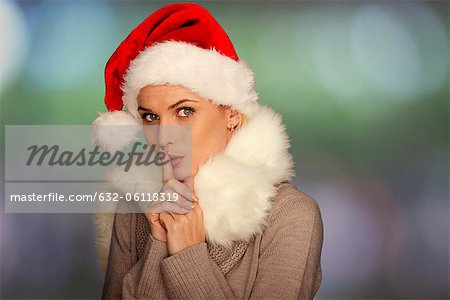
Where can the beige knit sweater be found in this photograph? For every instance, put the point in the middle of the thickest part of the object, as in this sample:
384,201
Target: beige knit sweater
282,262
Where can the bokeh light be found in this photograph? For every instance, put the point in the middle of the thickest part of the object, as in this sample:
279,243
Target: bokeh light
62,43
14,42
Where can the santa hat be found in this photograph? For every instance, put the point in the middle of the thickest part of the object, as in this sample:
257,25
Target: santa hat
180,44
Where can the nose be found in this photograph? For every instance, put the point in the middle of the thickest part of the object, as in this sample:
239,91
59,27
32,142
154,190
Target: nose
166,134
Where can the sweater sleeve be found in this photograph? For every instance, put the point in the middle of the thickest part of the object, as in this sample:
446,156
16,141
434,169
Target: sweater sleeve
122,278
192,274
289,264
145,280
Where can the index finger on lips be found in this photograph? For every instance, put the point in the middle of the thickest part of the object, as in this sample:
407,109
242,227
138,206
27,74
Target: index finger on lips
179,188
167,168
188,182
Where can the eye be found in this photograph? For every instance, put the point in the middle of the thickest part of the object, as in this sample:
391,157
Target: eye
185,112
149,117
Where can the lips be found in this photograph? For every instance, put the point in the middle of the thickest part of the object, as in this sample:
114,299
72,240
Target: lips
175,159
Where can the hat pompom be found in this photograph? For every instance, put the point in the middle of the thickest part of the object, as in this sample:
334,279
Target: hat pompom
113,131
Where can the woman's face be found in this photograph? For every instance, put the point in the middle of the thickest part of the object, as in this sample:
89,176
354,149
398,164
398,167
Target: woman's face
189,126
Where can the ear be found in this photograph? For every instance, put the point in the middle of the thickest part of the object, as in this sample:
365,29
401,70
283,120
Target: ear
233,117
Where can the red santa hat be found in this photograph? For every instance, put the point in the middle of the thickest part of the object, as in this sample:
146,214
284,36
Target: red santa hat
179,44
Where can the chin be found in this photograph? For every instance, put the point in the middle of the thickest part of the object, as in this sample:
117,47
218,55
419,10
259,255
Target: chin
183,170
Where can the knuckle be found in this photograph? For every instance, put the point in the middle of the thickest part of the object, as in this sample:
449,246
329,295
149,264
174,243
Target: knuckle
170,181
175,226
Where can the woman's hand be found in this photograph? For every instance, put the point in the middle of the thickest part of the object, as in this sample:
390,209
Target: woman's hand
183,231
158,232
181,206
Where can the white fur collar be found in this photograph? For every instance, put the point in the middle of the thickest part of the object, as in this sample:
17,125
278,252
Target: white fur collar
234,188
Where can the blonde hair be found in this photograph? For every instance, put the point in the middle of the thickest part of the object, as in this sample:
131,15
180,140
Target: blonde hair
243,120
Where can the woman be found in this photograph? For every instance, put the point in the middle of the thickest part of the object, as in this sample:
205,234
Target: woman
241,229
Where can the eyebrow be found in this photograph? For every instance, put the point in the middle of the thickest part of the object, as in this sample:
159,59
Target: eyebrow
170,107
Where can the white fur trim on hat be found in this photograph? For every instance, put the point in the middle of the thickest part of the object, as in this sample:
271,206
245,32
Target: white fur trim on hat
206,72
113,131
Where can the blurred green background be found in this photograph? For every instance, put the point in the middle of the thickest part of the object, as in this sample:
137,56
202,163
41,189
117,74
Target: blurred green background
363,90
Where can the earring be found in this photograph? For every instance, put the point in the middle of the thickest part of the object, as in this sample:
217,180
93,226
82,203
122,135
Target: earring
232,127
